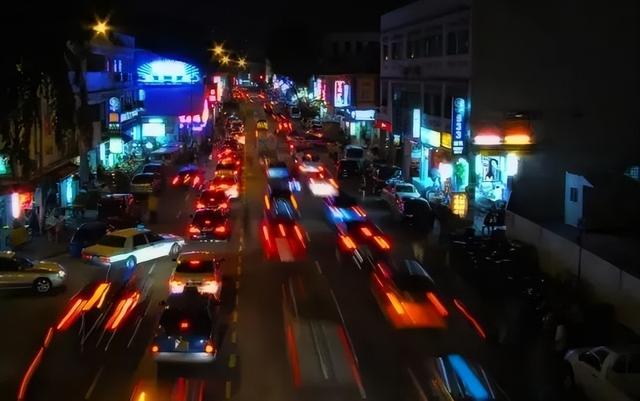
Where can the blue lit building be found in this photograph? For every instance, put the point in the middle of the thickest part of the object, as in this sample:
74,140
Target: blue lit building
175,105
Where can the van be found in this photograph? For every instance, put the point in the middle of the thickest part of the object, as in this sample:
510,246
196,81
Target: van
166,155
354,152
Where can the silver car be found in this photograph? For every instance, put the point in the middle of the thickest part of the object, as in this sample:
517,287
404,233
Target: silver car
21,272
145,183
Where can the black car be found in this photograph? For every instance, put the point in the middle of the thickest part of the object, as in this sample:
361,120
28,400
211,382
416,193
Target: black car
209,225
382,174
86,235
347,169
119,211
417,212
185,334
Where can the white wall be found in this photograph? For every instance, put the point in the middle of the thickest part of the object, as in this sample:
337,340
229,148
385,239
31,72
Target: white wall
558,256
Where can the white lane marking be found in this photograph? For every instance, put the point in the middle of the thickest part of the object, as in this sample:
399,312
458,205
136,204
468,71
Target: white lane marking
318,267
346,331
95,324
293,297
284,250
94,383
135,331
153,266
323,364
414,380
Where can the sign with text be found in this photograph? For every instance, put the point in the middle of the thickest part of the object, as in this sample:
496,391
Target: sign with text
459,124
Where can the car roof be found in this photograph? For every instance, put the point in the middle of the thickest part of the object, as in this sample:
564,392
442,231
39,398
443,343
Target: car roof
154,164
129,232
282,208
145,175
92,225
196,255
7,254
115,196
188,168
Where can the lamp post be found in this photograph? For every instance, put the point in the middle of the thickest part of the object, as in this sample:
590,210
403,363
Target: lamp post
101,27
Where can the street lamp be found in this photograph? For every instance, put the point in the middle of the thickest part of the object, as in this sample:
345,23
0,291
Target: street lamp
218,50
242,63
225,60
101,27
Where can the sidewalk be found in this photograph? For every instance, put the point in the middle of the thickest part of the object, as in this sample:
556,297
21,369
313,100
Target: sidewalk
40,247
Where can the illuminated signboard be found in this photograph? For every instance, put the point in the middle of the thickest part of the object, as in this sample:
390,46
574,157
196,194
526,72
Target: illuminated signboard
459,124
416,123
342,94
128,115
363,115
429,137
383,125
459,204
446,140
168,72
114,104
212,95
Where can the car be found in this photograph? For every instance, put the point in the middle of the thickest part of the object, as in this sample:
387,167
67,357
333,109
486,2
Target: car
229,164
606,373
227,183
119,210
197,270
308,163
418,212
216,200
383,174
281,189
280,207
262,124
115,181
156,168
145,183
342,208
361,243
321,184
17,272
185,334
354,152
407,295
397,190
347,169
227,151
131,246
209,225
453,377
86,235
283,238
189,177
236,126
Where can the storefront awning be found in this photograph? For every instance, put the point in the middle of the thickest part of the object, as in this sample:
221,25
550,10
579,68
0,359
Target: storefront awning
125,138
61,170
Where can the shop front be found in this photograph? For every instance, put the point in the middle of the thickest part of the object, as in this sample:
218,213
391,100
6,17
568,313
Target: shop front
496,161
361,127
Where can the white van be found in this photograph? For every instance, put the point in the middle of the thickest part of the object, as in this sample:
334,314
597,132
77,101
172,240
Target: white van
166,155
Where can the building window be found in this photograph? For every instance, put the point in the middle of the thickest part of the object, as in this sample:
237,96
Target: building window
436,101
434,46
409,47
395,51
573,194
385,52
426,103
463,42
452,46
447,106
358,47
347,47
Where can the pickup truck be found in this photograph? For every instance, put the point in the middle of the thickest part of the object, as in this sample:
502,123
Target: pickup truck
606,373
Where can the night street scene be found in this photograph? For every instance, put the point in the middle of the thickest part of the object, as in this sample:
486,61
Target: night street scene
336,201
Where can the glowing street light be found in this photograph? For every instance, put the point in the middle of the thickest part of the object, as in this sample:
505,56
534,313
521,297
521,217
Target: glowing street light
242,63
225,60
218,50
101,27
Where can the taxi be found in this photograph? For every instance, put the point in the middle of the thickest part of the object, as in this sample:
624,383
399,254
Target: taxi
131,246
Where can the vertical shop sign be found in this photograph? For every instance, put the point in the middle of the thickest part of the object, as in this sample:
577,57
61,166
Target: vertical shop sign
458,125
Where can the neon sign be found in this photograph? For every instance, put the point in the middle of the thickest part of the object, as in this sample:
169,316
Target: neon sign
168,72
458,124
342,94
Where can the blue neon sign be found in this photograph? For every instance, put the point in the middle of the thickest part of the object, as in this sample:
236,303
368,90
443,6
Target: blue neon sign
165,71
459,124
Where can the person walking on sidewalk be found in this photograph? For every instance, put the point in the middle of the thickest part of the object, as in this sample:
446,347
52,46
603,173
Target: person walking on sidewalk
152,206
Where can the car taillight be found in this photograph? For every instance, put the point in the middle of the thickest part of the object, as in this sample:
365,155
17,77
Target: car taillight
184,325
382,243
176,287
366,232
155,348
194,230
209,349
299,234
175,180
347,242
199,205
359,211
196,180
294,202
221,229
282,230
437,304
267,203
105,259
209,287
224,205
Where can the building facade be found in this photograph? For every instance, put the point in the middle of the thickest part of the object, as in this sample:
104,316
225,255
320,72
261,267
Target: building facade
425,66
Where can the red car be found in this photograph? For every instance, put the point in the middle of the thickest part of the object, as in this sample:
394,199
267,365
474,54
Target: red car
216,199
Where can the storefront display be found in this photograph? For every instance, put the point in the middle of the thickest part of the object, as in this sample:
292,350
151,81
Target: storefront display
491,177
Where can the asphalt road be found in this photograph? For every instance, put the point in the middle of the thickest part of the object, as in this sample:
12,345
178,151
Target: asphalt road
87,362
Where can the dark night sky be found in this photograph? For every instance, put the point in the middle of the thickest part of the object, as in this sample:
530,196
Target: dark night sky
185,28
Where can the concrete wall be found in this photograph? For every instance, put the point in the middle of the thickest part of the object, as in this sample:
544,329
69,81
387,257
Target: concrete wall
559,256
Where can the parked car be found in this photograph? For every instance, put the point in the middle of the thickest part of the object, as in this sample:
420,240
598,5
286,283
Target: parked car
354,152
347,169
606,373
86,235
383,174
145,183
19,272
418,212
396,190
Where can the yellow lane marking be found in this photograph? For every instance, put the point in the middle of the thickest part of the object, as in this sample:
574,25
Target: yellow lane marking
235,316
237,285
232,360
227,390
234,337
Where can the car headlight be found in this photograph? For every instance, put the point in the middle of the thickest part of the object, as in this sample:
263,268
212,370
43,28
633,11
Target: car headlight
62,273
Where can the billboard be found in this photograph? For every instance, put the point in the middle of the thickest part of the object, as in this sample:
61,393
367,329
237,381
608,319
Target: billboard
459,124
341,94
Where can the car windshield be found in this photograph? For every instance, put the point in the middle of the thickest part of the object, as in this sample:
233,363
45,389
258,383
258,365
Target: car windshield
349,164
404,188
113,241
355,153
224,181
195,266
142,179
213,196
152,168
210,216
226,166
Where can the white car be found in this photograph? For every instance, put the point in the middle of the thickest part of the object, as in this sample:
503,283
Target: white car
132,246
398,190
322,185
198,270
606,373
